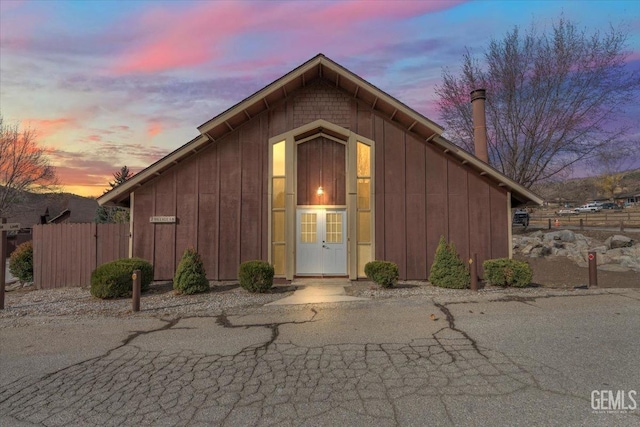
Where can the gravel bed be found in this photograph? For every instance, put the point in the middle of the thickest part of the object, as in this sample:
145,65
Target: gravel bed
224,297
159,301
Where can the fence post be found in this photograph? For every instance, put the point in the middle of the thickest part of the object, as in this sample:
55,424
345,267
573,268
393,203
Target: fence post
137,279
549,224
581,227
3,255
621,226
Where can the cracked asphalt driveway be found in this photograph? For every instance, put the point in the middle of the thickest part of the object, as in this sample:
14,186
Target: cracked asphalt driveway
388,362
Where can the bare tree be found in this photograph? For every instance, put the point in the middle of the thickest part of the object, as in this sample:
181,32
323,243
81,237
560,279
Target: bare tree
553,99
24,166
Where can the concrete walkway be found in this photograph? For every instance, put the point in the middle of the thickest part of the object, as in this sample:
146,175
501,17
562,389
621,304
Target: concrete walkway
318,290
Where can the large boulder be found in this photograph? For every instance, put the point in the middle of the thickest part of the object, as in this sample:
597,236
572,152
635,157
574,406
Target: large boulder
566,236
618,241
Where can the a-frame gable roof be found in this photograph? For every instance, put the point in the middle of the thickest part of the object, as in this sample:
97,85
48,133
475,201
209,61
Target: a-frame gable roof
318,67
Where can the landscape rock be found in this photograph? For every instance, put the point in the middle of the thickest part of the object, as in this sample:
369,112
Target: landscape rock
618,253
618,241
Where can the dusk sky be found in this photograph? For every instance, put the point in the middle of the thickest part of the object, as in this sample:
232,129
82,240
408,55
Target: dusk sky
109,83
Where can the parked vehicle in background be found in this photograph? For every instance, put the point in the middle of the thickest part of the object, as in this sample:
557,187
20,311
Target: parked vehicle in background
521,217
566,212
589,207
611,206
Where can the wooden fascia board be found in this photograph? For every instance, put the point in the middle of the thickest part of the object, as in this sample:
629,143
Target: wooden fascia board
486,170
154,170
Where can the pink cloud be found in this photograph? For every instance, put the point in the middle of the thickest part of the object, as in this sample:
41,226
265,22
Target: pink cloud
44,128
179,38
154,128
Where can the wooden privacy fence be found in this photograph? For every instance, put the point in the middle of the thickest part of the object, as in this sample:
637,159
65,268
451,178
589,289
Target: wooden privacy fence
66,254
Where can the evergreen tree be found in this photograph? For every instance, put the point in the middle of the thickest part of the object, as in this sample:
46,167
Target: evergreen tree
114,214
448,270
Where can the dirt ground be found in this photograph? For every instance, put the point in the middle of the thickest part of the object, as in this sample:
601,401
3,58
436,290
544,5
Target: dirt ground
562,272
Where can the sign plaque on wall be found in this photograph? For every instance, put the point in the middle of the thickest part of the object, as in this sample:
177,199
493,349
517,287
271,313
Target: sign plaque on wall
162,219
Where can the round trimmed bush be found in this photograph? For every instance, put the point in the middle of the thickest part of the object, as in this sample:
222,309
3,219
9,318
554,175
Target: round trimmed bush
21,262
190,277
383,273
507,272
256,276
113,279
448,270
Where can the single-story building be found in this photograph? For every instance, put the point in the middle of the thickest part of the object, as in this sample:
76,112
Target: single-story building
628,199
318,173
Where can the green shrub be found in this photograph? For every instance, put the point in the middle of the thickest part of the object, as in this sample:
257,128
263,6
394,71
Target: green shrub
190,277
21,262
256,276
113,279
507,272
448,270
384,273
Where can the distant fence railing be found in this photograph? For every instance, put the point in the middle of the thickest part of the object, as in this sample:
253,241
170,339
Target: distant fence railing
66,254
605,218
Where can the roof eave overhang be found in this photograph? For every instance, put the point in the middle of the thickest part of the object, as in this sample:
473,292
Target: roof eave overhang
520,195
119,196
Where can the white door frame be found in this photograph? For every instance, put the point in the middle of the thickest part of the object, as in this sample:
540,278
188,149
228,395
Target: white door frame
316,254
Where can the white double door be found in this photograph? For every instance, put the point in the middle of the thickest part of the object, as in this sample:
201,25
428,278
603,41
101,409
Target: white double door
321,242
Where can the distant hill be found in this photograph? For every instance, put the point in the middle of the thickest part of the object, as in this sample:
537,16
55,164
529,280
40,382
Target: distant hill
580,190
33,206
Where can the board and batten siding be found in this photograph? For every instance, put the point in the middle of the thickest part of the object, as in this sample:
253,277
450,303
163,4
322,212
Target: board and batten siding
219,195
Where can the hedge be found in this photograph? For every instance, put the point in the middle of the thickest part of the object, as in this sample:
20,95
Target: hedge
507,272
113,279
256,276
384,273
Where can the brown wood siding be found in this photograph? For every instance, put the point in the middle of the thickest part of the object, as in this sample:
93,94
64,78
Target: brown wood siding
499,223
379,189
221,197
416,209
394,175
321,163
230,185
436,201
250,220
165,234
186,207
458,207
143,232
208,206
479,219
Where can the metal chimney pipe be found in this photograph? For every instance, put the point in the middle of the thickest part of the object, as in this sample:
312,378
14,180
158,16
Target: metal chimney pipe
478,97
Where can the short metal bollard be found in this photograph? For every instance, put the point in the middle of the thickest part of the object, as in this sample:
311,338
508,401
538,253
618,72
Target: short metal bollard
593,270
473,270
137,280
